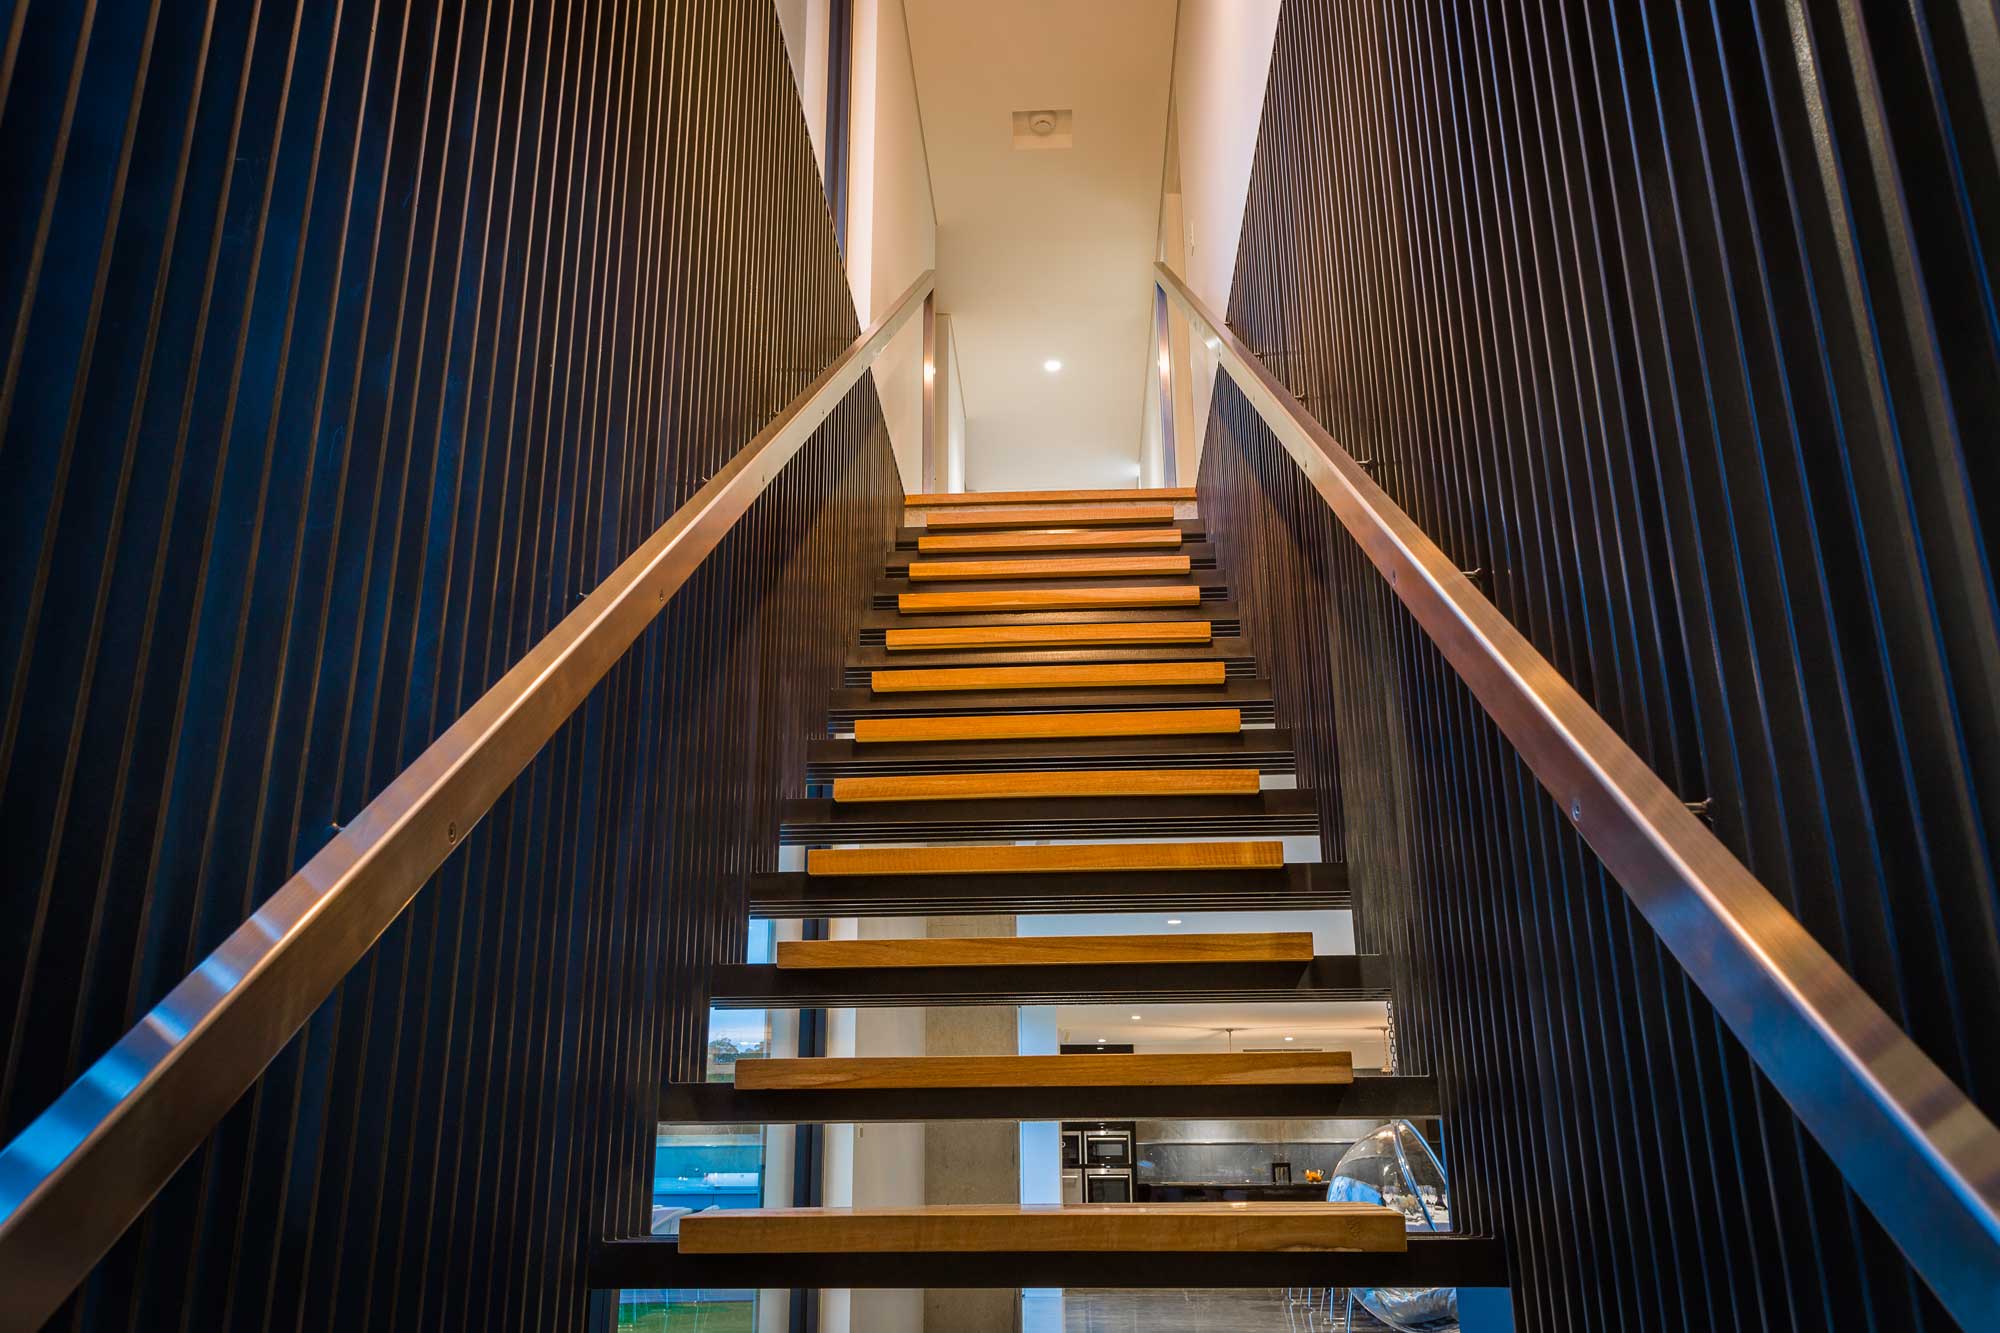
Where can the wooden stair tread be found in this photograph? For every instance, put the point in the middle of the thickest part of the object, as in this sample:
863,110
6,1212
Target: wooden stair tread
1047,539
1011,1228
1050,726
1078,782
1291,946
1075,858
1125,632
1080,516
1092,675
1088,1070
1047,599
1049,567
1113,495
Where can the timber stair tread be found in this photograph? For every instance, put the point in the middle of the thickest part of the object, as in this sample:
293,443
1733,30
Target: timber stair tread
1050,539
1238,1068
1050,726
1084,597
1052,676
1200,556
877,620
1062,783
1425,1261
1083,858
1369,1096
993,637
1049,567
1308,885
1234,654
1191,528
1293,946
1018,1228
1317,978
1277,812
1249,696
1107,495
1128,514
1267,750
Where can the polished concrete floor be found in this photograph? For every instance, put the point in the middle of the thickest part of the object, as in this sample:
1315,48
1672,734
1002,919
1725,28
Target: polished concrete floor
1092,1311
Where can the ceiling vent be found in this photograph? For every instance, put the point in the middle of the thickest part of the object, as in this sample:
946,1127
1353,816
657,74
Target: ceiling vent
1041,129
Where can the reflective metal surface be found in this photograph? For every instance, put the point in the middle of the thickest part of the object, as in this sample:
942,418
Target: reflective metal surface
84,1169
1914,1147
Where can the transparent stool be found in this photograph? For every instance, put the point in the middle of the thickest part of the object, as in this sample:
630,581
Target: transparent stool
1394,1166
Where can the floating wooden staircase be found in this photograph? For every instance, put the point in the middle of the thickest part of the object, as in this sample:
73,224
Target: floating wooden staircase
1081,681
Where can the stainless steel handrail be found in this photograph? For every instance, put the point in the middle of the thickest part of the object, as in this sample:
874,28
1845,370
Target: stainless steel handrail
1909,1141
83,1171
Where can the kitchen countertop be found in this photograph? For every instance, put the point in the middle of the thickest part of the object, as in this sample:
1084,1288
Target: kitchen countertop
1223,1191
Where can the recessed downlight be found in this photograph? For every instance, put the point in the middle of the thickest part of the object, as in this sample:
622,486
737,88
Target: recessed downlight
1052,365
1288,1039
1135,1018
1173,921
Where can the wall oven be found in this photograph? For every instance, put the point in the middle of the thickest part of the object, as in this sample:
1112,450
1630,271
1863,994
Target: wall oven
1107,1149
1105,1185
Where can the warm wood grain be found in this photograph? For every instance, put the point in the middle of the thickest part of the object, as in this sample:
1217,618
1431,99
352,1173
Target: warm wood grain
1101,539
1051,726
960,499
1049,567
1082,516
1048,599
1071,858
1021,786
1075,676
1236,1069
1052,636
1289,946
1007,1228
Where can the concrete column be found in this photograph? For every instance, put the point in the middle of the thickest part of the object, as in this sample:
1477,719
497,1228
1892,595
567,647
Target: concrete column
971,1161
886,1161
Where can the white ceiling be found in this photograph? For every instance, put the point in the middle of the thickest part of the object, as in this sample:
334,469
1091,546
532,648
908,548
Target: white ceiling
1048,253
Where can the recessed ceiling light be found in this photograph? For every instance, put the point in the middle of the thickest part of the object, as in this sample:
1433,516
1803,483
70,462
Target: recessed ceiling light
1173,921
1288,1039
1135,1018
1052,365
1100,1041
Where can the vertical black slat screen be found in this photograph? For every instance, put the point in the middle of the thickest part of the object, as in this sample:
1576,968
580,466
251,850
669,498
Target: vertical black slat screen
1676,326
347,345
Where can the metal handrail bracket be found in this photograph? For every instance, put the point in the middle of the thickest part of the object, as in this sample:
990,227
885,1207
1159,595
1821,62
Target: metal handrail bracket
80,1174
1915,1149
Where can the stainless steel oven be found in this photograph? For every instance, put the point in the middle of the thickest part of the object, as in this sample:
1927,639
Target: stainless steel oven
1105,1185
1072,1148
1107,1149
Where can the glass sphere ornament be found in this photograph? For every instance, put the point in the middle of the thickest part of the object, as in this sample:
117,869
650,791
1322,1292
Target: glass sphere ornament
1394,1166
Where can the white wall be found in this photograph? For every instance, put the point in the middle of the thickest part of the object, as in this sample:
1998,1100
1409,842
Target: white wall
891,224
1222,59
805,27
